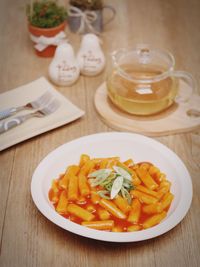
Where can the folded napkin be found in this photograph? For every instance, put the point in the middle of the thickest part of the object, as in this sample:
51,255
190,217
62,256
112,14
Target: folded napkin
66,113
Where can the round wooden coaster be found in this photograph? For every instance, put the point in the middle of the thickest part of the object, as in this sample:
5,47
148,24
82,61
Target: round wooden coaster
179,118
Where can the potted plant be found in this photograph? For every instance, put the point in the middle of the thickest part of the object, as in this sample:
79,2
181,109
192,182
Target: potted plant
87,4
46,22
87,15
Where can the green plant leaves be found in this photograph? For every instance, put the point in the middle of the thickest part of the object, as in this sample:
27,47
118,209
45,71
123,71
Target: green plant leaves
46,14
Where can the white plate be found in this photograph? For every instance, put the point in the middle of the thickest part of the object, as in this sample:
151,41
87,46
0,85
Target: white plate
125,145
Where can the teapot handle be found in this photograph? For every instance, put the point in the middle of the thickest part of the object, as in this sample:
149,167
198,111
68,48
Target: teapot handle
183,95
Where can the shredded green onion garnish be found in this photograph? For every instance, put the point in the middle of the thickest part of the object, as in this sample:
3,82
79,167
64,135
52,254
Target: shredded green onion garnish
104,194
115,181
100,176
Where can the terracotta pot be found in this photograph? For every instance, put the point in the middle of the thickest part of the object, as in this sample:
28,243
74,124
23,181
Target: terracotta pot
47,32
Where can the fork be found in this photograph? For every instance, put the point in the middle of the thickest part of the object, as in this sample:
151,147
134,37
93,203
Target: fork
36,104
47,110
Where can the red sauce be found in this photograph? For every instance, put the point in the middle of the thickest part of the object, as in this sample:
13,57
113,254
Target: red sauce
122,223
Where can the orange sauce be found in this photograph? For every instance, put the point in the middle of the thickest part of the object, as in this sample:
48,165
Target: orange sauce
121,223
124,224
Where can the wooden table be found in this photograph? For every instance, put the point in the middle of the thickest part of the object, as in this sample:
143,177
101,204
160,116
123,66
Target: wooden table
27,237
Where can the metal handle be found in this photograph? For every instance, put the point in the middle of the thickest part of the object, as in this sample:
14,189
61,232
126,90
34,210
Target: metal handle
11,123
7,113
112,11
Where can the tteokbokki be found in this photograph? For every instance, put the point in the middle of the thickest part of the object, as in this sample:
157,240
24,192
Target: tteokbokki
111,195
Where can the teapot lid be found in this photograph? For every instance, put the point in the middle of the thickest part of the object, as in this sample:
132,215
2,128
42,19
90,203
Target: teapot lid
143,57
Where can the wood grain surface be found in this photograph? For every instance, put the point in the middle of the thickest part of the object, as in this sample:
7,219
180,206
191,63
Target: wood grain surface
27,237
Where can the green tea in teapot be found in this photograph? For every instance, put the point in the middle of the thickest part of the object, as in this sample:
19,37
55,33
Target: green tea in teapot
131,94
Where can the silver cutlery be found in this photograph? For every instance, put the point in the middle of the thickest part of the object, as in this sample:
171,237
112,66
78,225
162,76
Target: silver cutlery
36,104
13,122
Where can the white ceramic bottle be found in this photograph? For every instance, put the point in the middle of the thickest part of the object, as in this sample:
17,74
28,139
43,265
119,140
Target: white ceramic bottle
90,56
64,69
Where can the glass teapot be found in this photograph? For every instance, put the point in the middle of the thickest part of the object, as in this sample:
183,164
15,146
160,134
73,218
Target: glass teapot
142,81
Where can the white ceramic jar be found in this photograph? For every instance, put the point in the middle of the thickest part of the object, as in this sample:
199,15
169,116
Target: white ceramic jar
64,69
90,55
